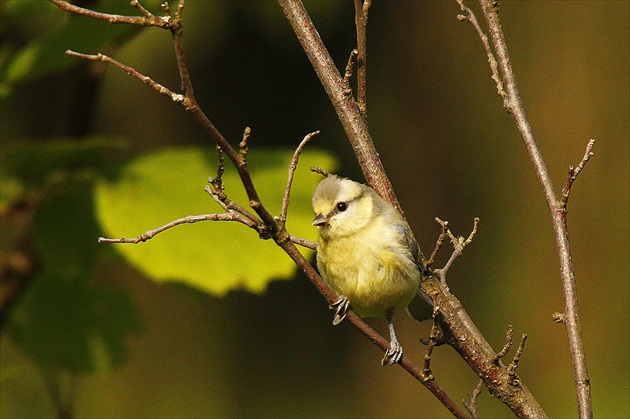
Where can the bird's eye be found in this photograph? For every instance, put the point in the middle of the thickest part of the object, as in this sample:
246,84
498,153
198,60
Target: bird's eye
342,206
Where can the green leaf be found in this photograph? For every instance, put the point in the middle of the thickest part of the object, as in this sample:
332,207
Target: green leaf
213,256
45,54
62,320
36,163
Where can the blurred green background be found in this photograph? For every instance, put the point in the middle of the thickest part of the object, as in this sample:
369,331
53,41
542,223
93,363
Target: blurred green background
156,349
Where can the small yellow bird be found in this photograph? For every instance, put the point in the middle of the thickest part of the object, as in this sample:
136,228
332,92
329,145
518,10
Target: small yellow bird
367,254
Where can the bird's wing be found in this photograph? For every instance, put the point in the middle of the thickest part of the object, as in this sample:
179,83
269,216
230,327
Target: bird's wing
407,238
420,308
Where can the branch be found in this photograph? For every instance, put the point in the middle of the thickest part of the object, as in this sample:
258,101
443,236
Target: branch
557,207
347,109
361,10
459,329
147,19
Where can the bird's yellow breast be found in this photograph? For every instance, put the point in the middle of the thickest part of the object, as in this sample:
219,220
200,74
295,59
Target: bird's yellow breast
371,267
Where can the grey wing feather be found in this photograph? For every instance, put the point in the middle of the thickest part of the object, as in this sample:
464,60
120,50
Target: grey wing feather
407,238
421,307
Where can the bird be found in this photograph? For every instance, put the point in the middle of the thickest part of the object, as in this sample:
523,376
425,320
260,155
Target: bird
368,256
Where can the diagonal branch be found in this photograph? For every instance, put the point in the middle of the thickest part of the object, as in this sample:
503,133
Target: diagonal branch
347,109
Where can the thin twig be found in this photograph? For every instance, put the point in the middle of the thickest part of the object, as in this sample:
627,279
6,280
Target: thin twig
439,242
517,357
514,106
243,146
507,346
346,107
432,343
574,172
234,208
175,97
185,220
347,75
459,244
320,171
492,61
361,11
474,397
292,167
304,243
147,19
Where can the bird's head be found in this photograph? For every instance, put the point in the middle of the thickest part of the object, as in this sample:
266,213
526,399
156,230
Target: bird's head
342,207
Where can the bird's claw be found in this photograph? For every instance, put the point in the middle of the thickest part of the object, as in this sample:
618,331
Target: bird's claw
393,355
341,309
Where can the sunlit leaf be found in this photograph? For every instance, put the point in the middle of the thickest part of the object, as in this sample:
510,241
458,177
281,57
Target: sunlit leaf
213,256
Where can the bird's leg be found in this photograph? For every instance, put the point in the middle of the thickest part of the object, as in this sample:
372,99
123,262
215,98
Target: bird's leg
395,352
341,309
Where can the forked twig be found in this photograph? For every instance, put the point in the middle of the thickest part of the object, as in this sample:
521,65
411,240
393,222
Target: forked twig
474,397
470,17
459,244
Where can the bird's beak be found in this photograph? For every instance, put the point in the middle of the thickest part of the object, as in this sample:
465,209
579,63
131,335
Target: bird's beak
320,220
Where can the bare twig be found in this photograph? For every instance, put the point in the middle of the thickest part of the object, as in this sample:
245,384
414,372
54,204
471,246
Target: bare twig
492,61
507,346
574,172
459,244
361,11
243,146
320,171
347,109
474,397
292,167
241,214
175,97
440,241
347,75
432,343
304,243
557,207
147,19
517,357
185,220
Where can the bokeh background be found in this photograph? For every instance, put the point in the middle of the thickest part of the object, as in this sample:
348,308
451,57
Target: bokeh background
450,150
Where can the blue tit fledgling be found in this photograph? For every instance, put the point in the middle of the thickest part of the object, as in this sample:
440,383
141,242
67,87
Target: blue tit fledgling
367,254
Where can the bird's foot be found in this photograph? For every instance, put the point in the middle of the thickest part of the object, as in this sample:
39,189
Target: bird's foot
393,355
341,309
